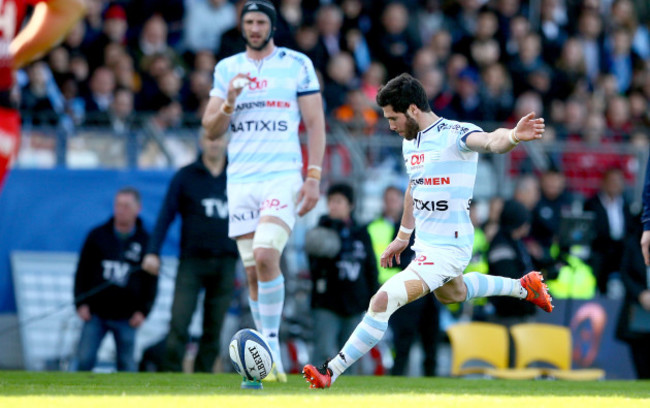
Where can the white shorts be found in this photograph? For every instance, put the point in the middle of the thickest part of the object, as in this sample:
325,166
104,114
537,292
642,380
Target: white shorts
247,202
437,266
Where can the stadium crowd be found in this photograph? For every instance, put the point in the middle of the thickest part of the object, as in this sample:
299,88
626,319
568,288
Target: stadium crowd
584,65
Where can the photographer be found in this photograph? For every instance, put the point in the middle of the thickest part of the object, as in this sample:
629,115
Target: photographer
343,278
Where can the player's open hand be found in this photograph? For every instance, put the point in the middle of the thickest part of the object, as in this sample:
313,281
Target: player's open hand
529,128
308,195
393,250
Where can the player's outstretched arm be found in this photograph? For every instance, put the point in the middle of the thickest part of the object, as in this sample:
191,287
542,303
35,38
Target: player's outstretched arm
311,109
503,140
49,23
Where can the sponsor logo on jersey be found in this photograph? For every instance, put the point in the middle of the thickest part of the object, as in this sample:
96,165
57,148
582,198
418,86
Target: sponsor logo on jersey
418,160
457,127
262,104
257,84
431,181
259,125
430,205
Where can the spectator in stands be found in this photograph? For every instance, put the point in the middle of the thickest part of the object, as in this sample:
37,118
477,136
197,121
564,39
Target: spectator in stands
394,45
355,44
553,33
207,257
618,118
372,79
58,61
570,69
430,20
589,34
486,26
329,20
121,115
440,43
512,35
41,99
113,31
416,319
495,93
102,87
156,66
111,291
527,61
153,42
205,22
424,60
204,61
620,59
341,78
465,105
624,15
611,209
125,74
197,93
342,281
93,23
357,114
553,202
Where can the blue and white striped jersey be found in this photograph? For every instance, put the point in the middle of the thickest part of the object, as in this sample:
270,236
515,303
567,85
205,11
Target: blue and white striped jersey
263,129
442,171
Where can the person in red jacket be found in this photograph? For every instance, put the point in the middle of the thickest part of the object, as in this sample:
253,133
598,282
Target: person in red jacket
49,22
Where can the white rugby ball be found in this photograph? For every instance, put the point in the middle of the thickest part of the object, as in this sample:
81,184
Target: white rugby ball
240,83
250,354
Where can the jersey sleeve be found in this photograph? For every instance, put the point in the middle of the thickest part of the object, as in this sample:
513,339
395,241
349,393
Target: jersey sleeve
307,79
464,130
220,81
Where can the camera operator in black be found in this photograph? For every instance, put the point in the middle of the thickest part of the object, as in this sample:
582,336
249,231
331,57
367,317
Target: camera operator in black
343,282
207,256
111,292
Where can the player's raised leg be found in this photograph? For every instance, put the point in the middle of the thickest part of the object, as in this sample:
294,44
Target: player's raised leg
530,287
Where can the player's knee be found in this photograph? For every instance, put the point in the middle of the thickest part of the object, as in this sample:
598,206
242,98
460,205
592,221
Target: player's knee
379,303
265,258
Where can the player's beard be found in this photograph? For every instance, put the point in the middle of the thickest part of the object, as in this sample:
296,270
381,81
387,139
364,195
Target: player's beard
411,129
259,47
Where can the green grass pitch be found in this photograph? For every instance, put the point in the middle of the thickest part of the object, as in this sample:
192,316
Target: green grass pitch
88,390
